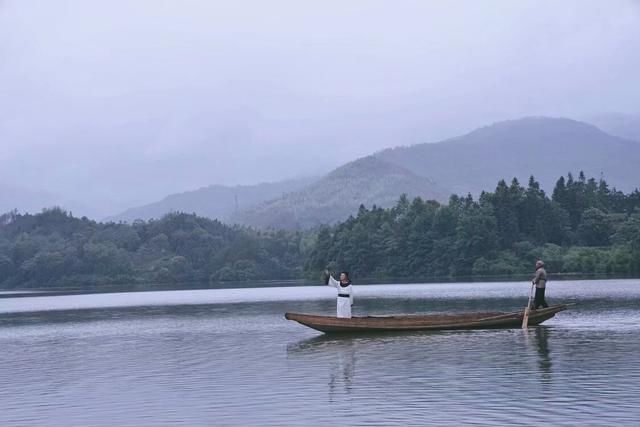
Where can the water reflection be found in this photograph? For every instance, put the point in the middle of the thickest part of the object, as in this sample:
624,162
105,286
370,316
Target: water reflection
342,369
339,353
242,363
538,340
542,334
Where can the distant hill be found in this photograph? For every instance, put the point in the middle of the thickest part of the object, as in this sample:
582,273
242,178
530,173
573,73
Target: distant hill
214,201
618,124
544,147
369,181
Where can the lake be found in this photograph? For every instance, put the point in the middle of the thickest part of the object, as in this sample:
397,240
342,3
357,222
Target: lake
228,357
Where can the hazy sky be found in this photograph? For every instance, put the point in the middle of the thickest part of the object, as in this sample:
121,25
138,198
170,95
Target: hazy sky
109,104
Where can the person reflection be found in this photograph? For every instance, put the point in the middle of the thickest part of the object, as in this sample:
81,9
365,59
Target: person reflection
340,357
542,345
342,368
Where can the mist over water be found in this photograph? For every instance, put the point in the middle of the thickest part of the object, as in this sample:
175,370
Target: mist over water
230,358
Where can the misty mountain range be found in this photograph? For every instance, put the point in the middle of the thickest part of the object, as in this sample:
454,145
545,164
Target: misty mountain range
368,181
540,146
623,125
215,201
187,97
543,147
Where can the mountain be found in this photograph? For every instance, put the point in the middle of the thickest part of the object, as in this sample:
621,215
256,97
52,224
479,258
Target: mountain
214,201
544,147
618,124
369,181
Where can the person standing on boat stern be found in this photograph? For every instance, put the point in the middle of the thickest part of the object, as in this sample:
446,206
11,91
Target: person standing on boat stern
345,293
540,280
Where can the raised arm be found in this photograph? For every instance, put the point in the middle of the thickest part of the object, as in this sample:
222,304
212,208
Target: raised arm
333,282
329,280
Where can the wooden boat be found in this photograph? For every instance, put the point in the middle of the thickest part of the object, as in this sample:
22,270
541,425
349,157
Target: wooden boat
425,322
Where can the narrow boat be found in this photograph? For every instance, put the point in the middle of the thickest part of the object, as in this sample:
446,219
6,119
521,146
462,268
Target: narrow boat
425,322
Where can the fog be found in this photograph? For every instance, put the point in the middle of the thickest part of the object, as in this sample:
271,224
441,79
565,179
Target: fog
105,105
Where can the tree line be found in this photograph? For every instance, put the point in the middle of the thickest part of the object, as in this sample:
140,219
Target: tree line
53,248
584,227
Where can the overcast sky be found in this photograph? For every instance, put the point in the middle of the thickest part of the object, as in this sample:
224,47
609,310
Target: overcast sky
109,104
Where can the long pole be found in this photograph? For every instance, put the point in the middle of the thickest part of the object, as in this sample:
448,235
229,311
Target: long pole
525,318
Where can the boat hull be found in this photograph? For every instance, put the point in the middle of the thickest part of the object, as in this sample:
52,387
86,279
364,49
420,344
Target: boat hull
430,322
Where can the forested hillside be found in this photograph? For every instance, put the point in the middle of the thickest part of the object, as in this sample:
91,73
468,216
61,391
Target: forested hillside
584,227
55,249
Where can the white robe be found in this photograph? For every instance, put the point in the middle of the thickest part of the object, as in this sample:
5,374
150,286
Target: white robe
343,304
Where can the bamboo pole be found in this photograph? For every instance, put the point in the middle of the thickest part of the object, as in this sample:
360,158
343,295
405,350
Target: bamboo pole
525,318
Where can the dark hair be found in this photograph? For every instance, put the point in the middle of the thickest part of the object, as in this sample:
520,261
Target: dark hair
346,273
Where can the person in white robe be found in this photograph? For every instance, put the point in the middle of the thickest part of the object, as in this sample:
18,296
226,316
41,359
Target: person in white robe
345,293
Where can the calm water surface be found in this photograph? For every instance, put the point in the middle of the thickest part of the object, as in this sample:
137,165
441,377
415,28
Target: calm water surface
228,357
